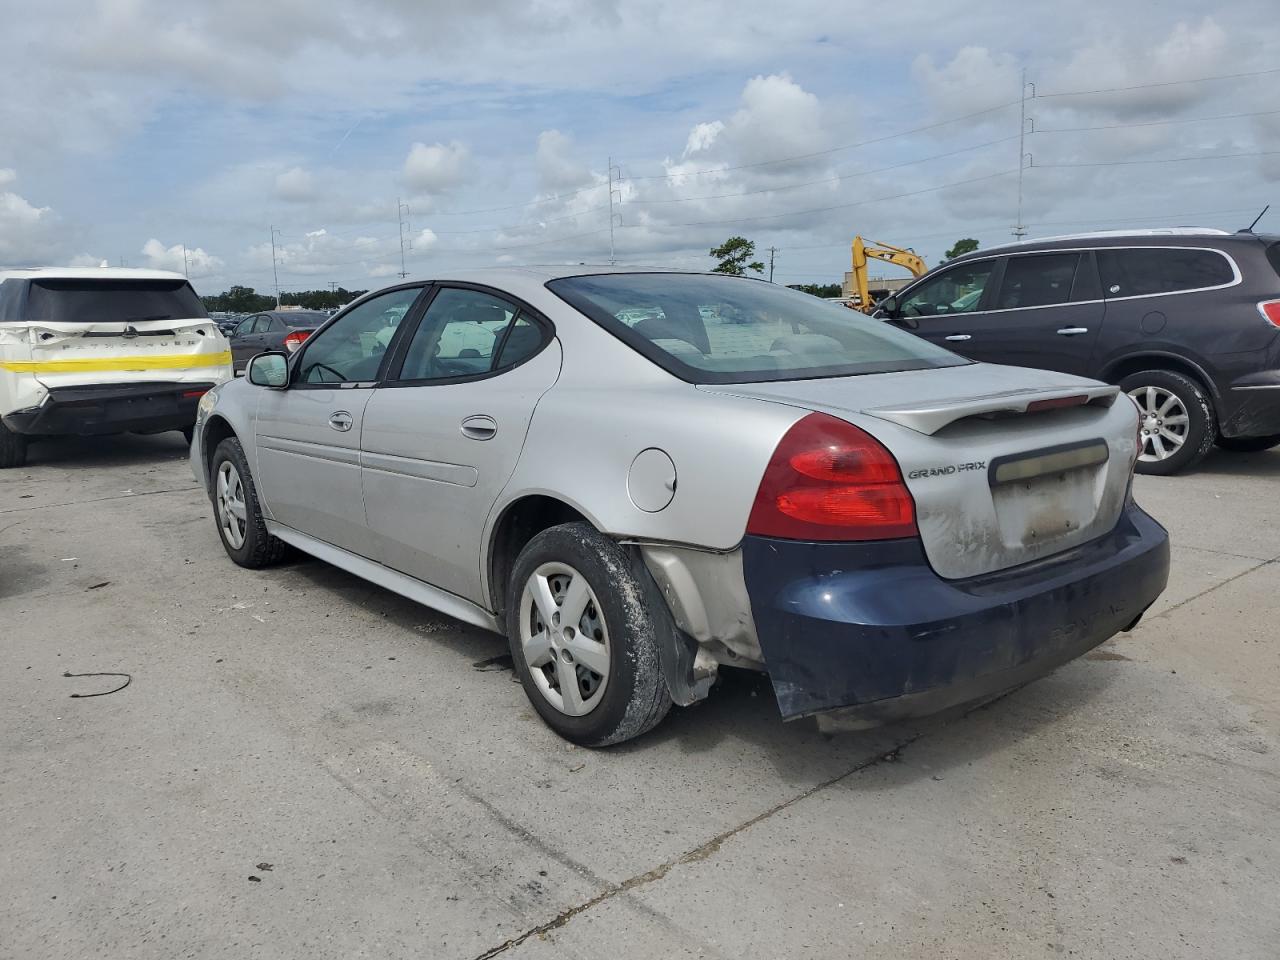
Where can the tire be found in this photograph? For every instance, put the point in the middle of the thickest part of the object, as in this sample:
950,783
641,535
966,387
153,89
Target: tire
1247,444
13,448
627,695
232,484
1177,425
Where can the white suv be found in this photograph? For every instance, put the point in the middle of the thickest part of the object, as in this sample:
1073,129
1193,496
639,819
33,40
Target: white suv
101,350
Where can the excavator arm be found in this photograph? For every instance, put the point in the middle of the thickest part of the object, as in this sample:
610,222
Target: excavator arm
872,249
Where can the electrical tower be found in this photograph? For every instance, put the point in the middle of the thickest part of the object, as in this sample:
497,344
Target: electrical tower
612,180
406,233
275,276
772,251
1019,229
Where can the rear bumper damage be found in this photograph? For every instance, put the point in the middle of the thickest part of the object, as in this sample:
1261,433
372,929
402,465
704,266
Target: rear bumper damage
110,408
867,633
1255,407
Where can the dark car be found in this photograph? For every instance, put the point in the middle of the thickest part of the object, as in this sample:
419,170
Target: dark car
272,330
1186,321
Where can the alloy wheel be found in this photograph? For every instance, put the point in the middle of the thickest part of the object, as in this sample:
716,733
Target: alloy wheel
1163,422
564,638
232,511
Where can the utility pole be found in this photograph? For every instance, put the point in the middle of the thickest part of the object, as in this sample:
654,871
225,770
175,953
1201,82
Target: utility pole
1019,229
274,273
333,286
772,251
186,266
611,169
402,214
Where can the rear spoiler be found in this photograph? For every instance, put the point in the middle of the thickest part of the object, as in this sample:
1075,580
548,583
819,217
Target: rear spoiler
931,416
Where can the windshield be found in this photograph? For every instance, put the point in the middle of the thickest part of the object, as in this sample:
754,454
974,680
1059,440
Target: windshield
712,329
112,301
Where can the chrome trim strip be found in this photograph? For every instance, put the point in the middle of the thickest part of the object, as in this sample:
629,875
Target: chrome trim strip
437,470
316,451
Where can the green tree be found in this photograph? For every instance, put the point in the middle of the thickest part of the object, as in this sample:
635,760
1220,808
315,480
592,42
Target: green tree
967,245
818,289
735,257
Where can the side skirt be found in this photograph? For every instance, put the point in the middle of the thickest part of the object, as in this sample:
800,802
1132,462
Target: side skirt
392,580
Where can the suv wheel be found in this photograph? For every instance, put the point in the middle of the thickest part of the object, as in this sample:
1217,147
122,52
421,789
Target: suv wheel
1176,422
13,448
1248,444
583,641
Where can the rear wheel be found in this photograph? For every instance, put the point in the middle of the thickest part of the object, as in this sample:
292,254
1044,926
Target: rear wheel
236,510
13,448
1176,425
583,641
1248,444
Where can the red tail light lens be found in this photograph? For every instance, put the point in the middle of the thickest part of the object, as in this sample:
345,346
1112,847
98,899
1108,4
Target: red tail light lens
828,480
294,340
1271,310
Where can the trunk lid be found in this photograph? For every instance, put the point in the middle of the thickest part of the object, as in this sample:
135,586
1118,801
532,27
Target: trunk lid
1006,465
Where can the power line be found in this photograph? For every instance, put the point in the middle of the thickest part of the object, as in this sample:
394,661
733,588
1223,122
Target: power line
1164,83
1158,123
1126,163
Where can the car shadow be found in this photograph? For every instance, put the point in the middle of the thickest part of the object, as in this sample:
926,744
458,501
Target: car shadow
114,450
1225,463
741,710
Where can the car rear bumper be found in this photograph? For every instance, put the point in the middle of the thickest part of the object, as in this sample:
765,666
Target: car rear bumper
111,408
1255,407
869,631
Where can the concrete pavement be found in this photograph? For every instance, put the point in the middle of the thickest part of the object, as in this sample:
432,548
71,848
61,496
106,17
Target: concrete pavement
307,766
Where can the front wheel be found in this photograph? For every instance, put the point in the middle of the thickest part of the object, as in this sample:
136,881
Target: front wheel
238,513
13,448
583,641
1248,444
1176,422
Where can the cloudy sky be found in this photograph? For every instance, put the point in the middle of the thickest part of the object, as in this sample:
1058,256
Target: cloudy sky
135,127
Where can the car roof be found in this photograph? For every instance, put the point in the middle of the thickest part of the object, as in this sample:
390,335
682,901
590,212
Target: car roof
1162,236
87,273
541,273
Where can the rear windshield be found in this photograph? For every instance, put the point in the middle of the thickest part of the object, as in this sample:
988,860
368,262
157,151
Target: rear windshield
713,329
112,301
303,320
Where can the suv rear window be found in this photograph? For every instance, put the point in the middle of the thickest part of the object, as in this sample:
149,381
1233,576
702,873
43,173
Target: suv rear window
112,301
1139,272
714,329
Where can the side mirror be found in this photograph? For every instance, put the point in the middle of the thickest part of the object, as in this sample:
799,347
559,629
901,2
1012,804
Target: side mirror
269,370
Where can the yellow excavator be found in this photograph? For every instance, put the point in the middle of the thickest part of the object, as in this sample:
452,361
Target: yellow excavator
864,249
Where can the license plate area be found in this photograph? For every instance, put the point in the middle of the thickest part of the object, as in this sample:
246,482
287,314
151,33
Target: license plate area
1048,496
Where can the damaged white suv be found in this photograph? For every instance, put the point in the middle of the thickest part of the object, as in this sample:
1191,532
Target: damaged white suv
101,350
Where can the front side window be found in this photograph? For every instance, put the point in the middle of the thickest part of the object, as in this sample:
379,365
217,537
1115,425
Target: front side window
1149,270
958,290
714,329
1037,281
245,327
352,347
465,333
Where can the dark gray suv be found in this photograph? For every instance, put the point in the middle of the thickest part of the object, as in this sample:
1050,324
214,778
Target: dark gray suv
1186,321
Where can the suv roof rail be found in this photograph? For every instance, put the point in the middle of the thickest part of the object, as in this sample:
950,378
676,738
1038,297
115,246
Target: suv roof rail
1099,234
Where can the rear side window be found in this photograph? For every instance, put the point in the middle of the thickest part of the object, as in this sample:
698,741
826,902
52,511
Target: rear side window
1141,272
1273,256
1037,281
467,333
112,301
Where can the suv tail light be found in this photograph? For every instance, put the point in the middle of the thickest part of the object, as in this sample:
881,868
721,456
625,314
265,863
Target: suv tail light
294,340
1271,310
828,480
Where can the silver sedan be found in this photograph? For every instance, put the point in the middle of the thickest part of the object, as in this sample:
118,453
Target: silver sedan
643,477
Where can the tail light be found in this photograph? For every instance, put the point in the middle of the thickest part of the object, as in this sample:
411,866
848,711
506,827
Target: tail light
294,339
1271,310
828,480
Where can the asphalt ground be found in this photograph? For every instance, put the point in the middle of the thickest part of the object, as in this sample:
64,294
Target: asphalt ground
305,765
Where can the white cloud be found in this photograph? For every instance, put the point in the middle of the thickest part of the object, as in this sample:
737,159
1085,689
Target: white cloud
559,163
193,261
28,234
436,168
296,185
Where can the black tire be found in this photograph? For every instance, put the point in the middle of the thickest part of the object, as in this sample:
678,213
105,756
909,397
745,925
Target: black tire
13,448
1202,423
1247,444
259,548
635,697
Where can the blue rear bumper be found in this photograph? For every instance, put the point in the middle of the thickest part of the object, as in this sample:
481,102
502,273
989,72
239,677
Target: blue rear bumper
869,630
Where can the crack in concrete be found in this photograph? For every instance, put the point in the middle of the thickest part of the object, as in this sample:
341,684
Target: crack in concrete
697,854
118,496
1217,586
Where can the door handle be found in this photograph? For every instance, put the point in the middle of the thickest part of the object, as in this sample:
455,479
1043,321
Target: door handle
1072,331
341,421
959,336
479,427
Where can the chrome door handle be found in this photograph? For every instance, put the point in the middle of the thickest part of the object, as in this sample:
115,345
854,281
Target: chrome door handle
479,427
959,336
1072,331
341,421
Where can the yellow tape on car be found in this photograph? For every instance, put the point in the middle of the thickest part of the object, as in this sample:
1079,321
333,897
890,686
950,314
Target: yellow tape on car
180,361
